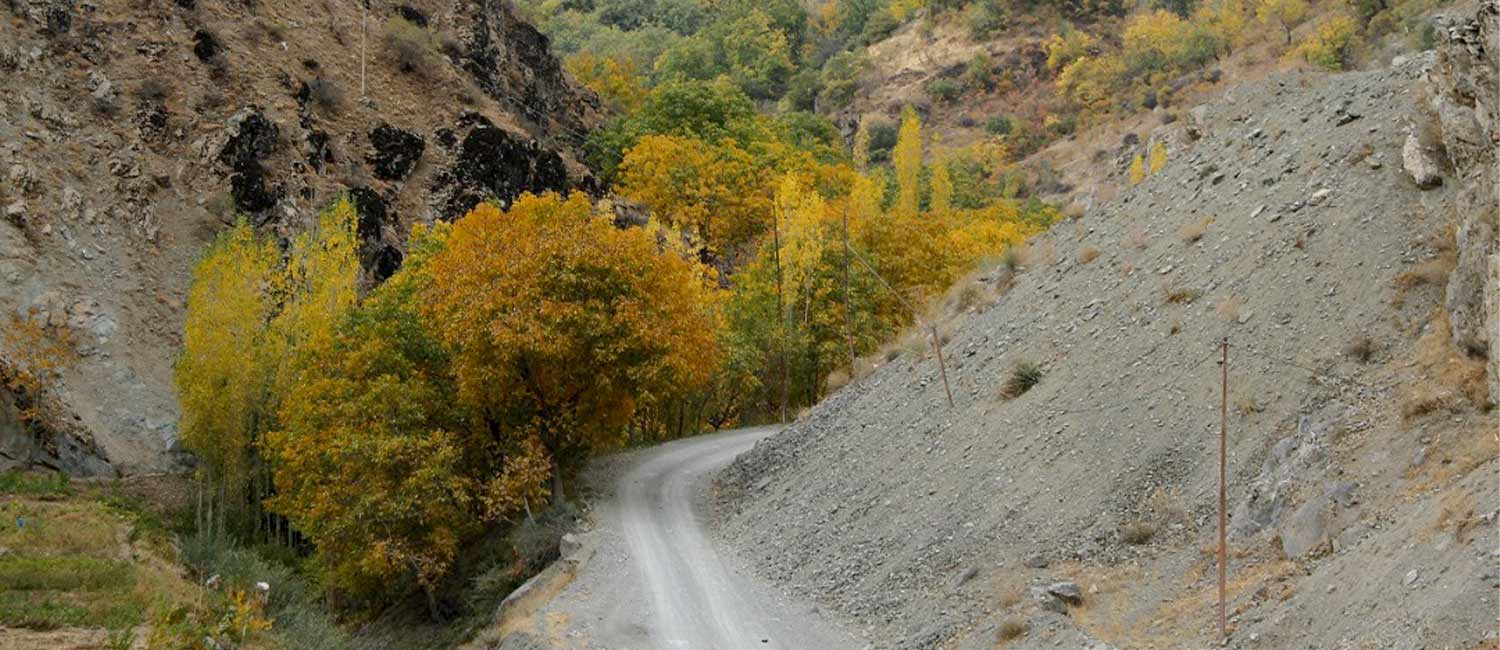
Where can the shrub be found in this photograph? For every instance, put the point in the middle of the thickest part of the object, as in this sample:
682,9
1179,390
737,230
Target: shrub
1180,296
1087,254
985,17
1361,349
997,125
409,46
980,73
944,91
1193,232
324,95
1011,628
1137,533
152,89
1024,376
882,140
1331,45
878,27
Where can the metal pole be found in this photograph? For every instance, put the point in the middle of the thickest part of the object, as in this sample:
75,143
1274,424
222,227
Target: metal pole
1223,464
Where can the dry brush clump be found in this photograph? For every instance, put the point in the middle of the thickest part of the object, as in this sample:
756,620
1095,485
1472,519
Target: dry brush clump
1181,295
1010,628
1191,233
1137,533
1024,376
409,47
1087,254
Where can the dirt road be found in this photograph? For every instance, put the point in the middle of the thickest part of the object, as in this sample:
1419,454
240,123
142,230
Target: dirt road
655,578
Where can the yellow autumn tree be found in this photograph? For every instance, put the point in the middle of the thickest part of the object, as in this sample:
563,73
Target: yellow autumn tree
941,201
861,149
223,374
906,158
1137,170
616,81
717,192
1286,14
248,316
561,325
1158,159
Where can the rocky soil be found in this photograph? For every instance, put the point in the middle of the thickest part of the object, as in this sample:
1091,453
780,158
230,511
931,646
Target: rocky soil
131,133
1362,437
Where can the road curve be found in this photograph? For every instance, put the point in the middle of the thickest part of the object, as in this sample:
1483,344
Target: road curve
651,577
697,599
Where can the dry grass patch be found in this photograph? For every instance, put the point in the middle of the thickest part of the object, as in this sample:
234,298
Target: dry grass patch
1011,628
836,380
1024,376
1087,254
1182,296
1456,514
1039,252
1191,233
1228,308
1361,349
1137,533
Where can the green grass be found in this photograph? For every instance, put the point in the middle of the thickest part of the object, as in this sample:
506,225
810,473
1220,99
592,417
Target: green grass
63,573
34,483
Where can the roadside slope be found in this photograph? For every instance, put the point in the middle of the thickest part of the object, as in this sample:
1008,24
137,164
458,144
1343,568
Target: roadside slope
1361,452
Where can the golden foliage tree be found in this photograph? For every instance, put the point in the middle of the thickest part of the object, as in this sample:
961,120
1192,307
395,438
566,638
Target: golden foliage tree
223,374
1286,14
1137,170
906,158
561,325
248,315
616,81
717,192
1158,157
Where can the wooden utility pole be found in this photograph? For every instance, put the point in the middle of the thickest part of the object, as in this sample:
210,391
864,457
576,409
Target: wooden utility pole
364,20
1223,465
848,303
937,344
780,304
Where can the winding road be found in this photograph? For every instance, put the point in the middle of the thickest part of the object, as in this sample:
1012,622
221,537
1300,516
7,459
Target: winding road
656,580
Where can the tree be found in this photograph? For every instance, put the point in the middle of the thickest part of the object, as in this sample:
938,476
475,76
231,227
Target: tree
1137,170
941,201
617,82
718,193
1286,14
374,405
223,372
247,318
561,325
1331,45
907,160
1158,157
861,153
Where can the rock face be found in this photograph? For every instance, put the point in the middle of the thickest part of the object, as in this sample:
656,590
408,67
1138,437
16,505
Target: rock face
131,134
1463,83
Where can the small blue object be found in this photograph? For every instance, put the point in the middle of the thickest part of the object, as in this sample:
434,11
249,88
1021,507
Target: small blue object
20,522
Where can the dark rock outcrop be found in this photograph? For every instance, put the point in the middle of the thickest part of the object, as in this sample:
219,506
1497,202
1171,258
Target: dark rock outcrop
252,137
396,152
495,164
511,61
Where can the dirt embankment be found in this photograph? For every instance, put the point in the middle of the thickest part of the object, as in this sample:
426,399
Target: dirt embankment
1083,512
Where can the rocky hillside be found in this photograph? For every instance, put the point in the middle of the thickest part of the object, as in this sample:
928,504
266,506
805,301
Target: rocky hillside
1336,230
133,132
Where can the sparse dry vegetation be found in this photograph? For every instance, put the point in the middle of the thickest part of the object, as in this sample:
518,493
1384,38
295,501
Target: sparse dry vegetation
1361,349
1182,296
1228,308
1010,628
1191,233
1087,254
410,47
1137,533
1024,376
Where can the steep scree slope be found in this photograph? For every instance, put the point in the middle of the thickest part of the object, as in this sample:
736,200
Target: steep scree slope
1361,455
131,132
